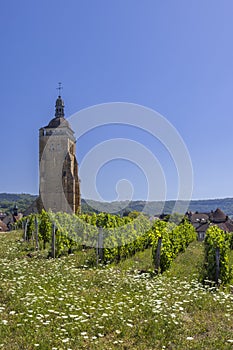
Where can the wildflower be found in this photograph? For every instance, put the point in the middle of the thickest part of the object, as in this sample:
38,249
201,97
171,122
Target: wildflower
129,325
65,340
12,312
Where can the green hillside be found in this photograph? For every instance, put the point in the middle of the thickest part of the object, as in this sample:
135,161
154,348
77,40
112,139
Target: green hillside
8,200
153,208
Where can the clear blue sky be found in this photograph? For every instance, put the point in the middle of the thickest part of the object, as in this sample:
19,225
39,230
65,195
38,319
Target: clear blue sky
172,56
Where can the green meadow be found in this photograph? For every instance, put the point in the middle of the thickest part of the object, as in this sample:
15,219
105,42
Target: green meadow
70,303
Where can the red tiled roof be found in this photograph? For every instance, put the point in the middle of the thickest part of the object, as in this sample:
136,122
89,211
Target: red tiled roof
199,217
203,227
218,216
229,225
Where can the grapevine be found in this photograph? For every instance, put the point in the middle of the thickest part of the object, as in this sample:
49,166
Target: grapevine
175,239
217,239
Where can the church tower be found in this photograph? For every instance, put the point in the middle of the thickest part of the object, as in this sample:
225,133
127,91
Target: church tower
59,182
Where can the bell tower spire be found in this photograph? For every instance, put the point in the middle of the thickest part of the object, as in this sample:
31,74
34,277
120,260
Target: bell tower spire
59,107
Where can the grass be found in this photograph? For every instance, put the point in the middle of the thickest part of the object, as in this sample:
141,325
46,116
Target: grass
66,304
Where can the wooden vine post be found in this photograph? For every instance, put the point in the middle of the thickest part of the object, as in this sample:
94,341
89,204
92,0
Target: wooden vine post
36,233
157,255
25,230
118,250
100,246
53,249
217,257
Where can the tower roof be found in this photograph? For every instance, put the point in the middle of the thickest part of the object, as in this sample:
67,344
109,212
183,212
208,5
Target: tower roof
59,118
58,121
59,108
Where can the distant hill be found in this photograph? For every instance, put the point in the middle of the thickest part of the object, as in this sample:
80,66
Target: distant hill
23,201
8,200
206,205
153,208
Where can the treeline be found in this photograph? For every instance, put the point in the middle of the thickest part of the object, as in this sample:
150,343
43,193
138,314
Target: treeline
159,207
23,201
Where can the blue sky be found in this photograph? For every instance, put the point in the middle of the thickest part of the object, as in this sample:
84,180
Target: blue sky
175,57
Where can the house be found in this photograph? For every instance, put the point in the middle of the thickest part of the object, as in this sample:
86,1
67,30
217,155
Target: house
10,219
202,221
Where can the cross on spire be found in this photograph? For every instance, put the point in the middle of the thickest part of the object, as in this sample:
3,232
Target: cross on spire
59,88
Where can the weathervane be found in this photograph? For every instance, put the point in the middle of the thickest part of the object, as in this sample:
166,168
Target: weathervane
59,88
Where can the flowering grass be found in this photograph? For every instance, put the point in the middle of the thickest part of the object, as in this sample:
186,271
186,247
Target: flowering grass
67,304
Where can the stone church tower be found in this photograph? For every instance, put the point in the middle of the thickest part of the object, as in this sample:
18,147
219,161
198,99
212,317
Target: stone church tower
59,182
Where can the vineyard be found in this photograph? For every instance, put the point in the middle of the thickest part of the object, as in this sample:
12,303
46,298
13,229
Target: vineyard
112,238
